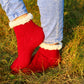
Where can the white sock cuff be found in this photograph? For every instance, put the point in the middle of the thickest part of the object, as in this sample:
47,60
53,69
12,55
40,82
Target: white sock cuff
21,21
51,47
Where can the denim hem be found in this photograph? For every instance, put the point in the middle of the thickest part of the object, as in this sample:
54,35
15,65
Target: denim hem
17,14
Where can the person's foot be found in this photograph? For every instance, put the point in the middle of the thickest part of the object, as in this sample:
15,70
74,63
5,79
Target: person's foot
28,36
47,56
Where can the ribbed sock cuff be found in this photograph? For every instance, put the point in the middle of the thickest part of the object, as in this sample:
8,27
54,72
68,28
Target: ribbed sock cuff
21,21
51,47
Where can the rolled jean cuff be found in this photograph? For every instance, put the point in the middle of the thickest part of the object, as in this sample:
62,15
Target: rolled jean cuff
49,41
17,14
52,42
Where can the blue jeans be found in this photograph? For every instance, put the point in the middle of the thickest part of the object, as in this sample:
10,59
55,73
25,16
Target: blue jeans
51,12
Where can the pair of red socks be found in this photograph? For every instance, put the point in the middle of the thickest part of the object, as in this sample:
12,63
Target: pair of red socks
29,36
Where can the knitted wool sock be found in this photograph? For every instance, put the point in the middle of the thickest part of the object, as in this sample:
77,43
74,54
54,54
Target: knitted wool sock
28,36
47,56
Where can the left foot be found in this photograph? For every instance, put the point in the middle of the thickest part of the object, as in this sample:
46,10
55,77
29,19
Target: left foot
43,59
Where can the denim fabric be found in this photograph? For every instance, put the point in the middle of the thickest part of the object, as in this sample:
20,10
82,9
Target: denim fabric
51,12
13,8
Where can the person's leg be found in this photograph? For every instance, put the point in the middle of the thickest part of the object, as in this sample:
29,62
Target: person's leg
28,34
51,12
13,8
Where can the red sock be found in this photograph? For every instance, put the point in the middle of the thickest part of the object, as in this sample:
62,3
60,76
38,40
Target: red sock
29,36
44,58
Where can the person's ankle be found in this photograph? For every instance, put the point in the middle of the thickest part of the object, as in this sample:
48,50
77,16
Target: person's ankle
20,17
53,44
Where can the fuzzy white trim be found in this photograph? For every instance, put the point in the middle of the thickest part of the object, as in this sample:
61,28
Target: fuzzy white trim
21,21
51,47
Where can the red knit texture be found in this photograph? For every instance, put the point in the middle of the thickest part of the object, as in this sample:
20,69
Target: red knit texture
28,36
43,60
